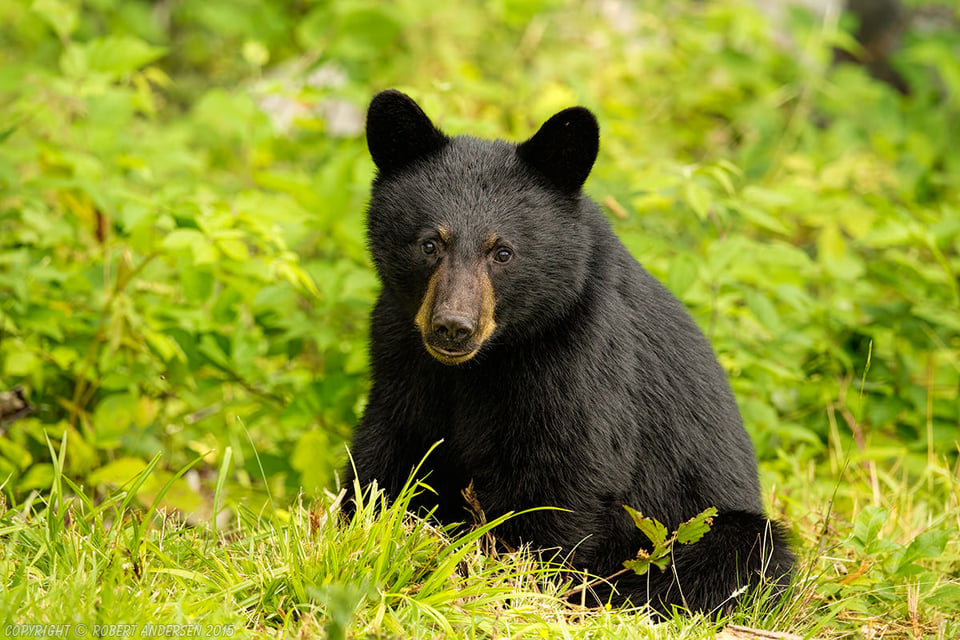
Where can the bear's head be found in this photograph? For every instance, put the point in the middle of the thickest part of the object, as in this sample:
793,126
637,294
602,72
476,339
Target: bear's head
480,242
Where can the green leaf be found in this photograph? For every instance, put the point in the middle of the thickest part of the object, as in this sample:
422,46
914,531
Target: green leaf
60,15
181,239
722,176
929,544
15,453
764,311
831,243
309,449
120,55
869,523
760,218
113,415
38,476
639,566
195,242
696,527
768,198
21,363
197,282
660,558
698,198
119,472
654,530
213,350
234,249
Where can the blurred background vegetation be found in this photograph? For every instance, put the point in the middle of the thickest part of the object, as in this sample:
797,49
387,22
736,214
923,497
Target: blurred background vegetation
182,189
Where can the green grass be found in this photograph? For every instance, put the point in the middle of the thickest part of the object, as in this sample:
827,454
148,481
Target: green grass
877,552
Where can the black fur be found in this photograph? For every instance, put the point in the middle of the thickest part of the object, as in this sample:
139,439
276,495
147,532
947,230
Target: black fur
399,132
596,389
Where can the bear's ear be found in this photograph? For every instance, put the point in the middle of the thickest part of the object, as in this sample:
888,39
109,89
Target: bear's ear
565,148
399,132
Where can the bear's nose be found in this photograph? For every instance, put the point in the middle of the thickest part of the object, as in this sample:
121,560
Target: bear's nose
453,329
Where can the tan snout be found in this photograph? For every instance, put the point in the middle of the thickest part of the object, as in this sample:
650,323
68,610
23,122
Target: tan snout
456,315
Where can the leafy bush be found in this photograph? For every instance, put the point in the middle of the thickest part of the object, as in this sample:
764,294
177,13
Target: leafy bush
182,263
151,297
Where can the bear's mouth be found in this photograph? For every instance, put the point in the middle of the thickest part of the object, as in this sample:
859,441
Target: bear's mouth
450,356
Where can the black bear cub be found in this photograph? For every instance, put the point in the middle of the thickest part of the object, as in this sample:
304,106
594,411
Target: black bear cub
515,327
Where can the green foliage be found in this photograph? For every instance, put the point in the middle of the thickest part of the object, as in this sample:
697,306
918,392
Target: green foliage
696,527
170,200
150,299
660,555
897,577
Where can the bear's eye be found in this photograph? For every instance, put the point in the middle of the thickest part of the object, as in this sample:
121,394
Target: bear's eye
503,255
429,247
